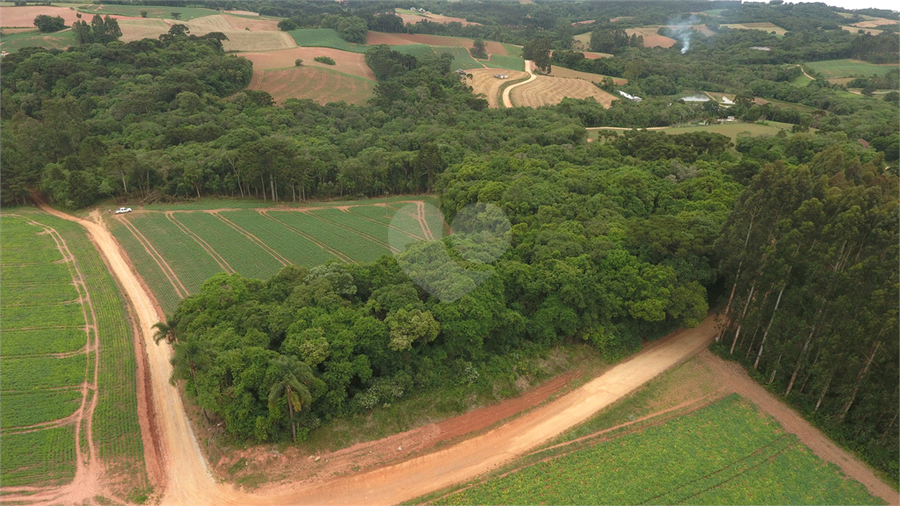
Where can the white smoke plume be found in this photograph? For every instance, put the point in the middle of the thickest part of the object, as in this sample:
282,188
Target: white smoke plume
681,29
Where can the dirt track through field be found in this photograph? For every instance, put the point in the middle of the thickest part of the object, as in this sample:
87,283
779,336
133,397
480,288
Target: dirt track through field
529,67
190,482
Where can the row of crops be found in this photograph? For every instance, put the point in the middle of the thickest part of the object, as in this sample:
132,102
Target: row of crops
43,359
195,245
725,453
116,430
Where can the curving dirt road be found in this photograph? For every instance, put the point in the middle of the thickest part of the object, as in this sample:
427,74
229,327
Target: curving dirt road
190,482
529,67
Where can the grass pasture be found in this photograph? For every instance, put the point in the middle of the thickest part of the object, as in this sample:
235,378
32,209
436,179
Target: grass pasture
57,40
323,85
836,69
43,366
324,37
546,90
177,250
731,129
719,454
496,61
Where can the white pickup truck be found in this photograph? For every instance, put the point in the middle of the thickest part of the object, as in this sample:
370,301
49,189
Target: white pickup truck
123,210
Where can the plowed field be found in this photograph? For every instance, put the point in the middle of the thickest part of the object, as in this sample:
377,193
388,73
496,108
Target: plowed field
345,62
319,84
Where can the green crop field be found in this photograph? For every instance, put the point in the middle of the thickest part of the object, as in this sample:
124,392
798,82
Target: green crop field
58,40
324,37
39,387
725,453
848,68
505,62
178,249
730,129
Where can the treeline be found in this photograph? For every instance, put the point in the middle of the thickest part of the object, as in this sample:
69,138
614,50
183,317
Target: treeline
603,247
811,256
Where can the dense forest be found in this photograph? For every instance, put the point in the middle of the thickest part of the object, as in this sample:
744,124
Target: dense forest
792,237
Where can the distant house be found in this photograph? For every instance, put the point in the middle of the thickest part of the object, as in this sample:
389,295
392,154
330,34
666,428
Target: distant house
630,96
761,48
501,76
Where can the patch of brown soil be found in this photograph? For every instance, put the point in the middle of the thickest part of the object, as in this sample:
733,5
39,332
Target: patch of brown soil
345,61
24,16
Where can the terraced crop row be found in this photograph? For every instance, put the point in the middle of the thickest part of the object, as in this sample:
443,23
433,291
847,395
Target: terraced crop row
725,453
116,429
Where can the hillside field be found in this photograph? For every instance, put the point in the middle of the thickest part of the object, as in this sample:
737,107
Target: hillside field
321,85
546,90
68,403
179,249
836,69
483,81
724,453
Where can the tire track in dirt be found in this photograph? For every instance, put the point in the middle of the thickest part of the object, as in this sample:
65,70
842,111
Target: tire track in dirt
337,254
203,244
164,266
277,256
420,215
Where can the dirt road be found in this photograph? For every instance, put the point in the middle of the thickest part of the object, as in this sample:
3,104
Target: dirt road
529,67
190,482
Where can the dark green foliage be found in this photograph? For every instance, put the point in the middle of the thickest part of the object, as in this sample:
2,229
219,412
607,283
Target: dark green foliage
47,24
324,59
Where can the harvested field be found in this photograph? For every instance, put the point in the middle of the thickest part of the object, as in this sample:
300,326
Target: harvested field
319,84
594,56
704,30
24,16
345,62
243,40
137,29
414,17
557,71
766,27
400,39
255,25
483,81
651,36
872,23
546,90
857,29
243,13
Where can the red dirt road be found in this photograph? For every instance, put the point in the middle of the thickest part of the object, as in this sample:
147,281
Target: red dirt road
190,482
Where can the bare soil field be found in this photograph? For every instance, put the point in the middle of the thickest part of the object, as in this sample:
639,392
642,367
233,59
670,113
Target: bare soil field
872,23
484,82
587,76
409,17
24,16
243,13
319,84
400,39
262,36
547,90
651,37
346,62
595,56
704,30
